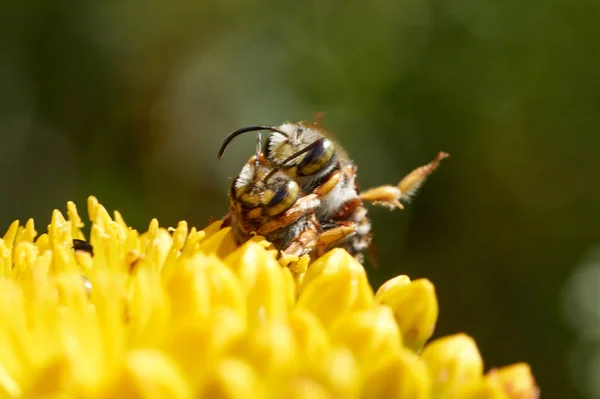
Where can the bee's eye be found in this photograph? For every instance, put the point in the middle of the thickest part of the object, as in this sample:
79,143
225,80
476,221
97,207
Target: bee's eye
316,158
284,198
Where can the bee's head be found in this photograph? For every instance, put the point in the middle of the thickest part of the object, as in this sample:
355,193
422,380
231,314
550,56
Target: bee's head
300,148
261,191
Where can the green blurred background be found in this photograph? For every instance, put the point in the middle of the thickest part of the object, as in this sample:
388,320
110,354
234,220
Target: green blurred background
130,100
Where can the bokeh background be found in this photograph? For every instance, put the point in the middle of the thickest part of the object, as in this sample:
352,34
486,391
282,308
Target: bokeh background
130,100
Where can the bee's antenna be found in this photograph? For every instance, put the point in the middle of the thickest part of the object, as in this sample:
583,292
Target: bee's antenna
246,130
258,153
294,156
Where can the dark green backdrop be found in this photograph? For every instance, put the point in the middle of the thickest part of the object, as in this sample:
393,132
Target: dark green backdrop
130,100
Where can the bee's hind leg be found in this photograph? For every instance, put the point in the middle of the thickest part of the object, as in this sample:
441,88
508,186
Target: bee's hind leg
333,236
390,196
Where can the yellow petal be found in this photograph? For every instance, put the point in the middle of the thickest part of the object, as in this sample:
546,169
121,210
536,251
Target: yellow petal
6,265
51,379
400,376
213,228
234,379
25,255
415,308
263,279
221,243
191,244
11,234
14,359
313,341
225,288
149,374
371,335
392,284
64,377
269,347
27,234
178,240
515,380
92,206
453,362
339,373
76,223
189,289
299,388
208,339
159,245
290,286
331,263
43,243
340,287
481,389
147,310
9,387
119,219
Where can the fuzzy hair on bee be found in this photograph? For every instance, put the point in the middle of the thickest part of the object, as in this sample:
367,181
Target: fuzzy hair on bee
305,153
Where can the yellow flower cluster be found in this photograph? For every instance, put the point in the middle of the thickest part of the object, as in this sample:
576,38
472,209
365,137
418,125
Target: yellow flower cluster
181,313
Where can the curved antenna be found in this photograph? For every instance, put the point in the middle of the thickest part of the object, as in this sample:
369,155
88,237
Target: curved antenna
246,130
293,156
257,155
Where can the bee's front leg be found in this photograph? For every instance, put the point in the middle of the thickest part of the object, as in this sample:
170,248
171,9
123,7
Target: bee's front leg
296,255
390,196
302,206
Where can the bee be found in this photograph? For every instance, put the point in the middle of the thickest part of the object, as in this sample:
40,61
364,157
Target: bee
269,203
306,154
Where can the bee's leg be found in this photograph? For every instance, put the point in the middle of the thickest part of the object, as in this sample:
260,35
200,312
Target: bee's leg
226,221
302,206
331,237
296,254
413,181
303,244
390,196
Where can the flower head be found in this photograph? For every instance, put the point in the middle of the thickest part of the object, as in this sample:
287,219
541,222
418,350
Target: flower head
182,313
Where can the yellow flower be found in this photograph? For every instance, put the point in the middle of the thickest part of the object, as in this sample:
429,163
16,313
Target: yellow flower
182,313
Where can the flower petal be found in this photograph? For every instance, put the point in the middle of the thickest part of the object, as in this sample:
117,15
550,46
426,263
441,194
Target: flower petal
400,376
515,380
148,373
415,308
452,362
370,334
